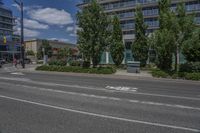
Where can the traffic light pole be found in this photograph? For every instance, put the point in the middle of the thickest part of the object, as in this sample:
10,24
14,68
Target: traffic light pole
21,5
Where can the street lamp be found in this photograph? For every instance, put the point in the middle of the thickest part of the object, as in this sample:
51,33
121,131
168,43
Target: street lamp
21,5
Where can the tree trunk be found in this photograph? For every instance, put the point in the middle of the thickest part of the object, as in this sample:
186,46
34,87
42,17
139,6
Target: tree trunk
177,59
176,62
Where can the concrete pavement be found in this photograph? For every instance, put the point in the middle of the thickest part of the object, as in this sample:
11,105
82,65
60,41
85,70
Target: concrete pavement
141,74
60,103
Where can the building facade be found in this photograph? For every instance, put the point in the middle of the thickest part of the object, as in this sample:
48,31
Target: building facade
6,20
125,9
9,43
35,44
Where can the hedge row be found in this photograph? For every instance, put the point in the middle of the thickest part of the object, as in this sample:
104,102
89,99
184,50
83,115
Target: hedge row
57,63
102,70
180,75
191,67
159,74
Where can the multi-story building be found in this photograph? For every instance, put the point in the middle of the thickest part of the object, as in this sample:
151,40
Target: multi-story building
9,46
35,44
6,20
125,10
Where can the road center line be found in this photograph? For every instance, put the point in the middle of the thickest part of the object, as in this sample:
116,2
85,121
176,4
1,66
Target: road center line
103,116
99,89
111,98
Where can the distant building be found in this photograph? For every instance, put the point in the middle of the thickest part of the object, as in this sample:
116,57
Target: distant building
125,10
9,43
6,20
35,44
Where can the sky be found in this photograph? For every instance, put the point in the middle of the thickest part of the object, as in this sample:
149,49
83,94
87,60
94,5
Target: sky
47,19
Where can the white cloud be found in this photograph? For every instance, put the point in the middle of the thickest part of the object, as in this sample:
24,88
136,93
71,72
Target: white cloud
27,32
60,39
70,29
29,25
31,33
51,16
32,24
72,35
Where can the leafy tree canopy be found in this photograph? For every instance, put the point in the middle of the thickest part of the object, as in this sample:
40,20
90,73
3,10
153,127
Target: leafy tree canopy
117,46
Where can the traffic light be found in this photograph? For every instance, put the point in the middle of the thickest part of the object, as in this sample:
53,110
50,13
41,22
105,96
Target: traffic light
4,40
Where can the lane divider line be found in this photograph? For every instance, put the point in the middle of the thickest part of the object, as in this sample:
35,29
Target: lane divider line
110,98
103,116
100,89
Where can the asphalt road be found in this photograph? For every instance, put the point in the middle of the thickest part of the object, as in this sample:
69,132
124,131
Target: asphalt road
72,103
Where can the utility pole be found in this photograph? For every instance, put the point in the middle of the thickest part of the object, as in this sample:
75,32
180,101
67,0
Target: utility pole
21,5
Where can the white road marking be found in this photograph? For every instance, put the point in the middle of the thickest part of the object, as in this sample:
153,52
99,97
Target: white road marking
102,115
17,73
100,89
164,104
167,96
15,79
71,93
110,98
121,88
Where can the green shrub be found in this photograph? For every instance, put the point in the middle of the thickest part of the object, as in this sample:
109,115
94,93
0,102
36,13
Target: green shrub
175,76
30,52
75,63
86,64
40,62
192,76
101,70
57,63
159,74
181,74
190,67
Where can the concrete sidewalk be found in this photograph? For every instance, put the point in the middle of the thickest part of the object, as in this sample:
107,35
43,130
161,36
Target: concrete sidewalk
141,74
124,73
11,68
29,67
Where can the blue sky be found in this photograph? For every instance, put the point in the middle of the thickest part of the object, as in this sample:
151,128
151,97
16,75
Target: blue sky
48,19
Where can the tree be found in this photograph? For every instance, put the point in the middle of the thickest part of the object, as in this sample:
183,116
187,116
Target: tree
140,45
47,49
164,13
94,32
175,29
191,47
162,43
117,46
163,39
184,28
64,53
